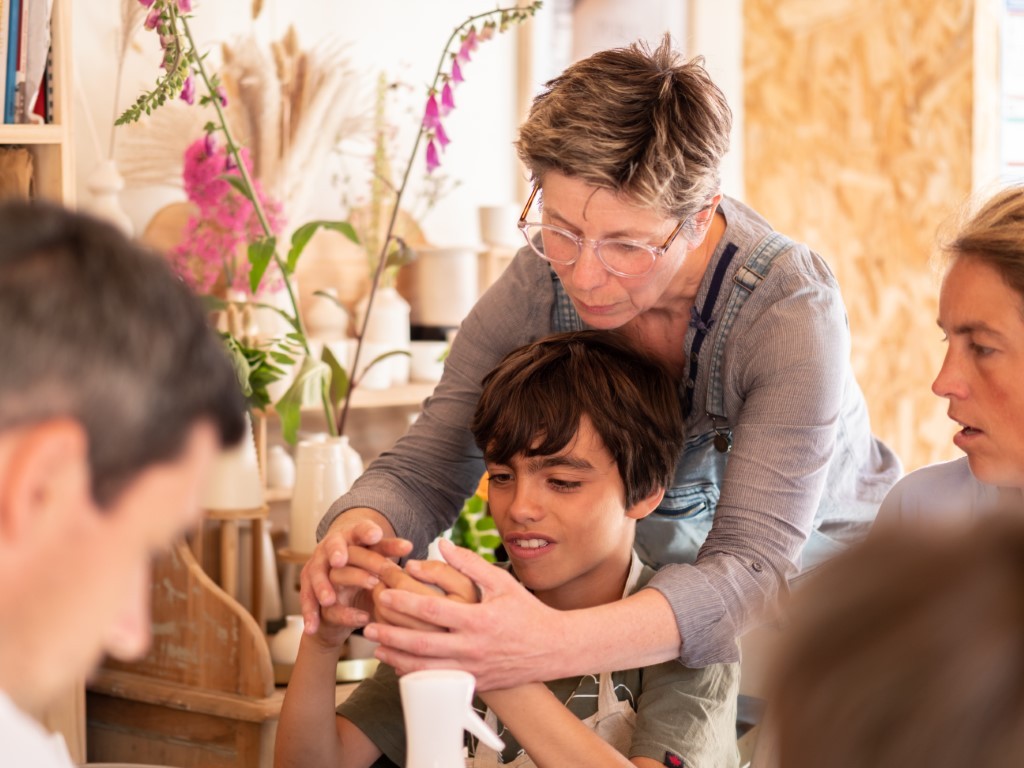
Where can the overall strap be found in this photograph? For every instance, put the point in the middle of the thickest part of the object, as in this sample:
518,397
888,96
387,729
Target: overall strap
746,279
564,316
702,322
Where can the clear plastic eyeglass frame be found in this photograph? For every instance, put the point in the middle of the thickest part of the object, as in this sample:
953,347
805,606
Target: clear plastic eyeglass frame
633,259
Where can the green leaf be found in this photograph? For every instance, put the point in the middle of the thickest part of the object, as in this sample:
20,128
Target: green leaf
239,184
339,376
306,389
282,358
302,236
491,542
260,254
378,358
333,297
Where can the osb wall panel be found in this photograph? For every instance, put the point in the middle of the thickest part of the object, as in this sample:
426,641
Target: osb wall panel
858,142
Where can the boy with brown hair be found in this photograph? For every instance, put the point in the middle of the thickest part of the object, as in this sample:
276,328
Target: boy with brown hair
580,435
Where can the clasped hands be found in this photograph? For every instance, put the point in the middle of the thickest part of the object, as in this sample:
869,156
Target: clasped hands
368,569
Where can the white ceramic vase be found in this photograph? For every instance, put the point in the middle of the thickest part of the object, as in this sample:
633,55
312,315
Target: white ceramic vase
284,646
325,468
387,330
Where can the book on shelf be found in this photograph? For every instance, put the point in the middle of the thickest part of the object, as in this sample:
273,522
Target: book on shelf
37,60
5,21
13,44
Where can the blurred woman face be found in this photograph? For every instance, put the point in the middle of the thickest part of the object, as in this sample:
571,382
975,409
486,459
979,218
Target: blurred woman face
982,375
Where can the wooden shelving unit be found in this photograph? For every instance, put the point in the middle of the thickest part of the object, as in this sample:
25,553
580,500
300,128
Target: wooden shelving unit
52,148
52,144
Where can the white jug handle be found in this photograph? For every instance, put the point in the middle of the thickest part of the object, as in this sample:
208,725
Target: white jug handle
482,731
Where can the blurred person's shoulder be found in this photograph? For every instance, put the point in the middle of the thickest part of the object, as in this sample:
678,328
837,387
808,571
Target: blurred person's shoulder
946,493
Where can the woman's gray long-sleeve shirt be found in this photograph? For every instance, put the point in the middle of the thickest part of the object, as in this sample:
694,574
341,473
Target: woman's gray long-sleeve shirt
803,457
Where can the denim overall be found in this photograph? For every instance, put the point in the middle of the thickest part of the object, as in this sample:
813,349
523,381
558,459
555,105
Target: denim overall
677,529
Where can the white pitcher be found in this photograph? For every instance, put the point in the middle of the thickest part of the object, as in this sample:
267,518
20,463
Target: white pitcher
437,706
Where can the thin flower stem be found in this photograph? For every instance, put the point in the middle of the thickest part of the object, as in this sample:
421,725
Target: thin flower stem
264,224
382,256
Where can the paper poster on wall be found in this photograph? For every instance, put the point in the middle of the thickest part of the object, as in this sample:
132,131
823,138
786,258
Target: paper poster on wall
600,24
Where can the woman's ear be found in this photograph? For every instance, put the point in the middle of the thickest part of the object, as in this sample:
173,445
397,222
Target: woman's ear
44,477
646,505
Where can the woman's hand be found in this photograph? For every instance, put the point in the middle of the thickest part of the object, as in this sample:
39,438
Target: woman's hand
330,583
432,577
502,641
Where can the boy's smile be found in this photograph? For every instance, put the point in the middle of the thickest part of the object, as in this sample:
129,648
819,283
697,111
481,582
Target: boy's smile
564,522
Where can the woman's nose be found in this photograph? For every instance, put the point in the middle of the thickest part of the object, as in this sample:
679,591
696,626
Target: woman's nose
949,382
588,272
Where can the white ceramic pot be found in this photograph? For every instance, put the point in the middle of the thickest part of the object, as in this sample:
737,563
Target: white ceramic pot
387,330
284,646
446,286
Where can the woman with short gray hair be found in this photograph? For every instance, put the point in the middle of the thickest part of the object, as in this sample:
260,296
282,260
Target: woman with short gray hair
626,228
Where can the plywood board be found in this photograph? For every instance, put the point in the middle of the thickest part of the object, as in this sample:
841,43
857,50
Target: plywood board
858,141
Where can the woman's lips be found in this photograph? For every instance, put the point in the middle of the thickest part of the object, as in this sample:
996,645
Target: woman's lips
595,309
966,435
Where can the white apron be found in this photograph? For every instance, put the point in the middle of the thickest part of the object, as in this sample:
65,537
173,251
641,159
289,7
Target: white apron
614,720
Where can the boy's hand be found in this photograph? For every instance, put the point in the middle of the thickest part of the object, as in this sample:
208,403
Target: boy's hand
352,584
354,528
424,577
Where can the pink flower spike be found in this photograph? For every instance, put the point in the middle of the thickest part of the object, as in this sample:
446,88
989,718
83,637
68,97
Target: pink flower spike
185,6
467,46
188,91
432,160
457,72
209,145
222,95
442,137
153,19
486,33
447,100
432,117
145,3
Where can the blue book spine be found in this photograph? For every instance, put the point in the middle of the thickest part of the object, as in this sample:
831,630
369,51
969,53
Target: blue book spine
13,38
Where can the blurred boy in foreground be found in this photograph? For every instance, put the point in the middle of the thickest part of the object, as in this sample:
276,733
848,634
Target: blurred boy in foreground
114,397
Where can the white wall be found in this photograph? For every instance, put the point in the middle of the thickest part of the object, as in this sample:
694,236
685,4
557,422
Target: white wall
402,38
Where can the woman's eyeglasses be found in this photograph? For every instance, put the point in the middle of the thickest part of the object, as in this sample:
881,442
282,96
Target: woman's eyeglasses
625,258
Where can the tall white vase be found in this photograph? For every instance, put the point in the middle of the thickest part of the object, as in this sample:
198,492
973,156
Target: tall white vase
325,467
105,184
387,330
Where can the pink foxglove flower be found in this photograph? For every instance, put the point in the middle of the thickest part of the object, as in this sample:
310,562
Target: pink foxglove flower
215,239
468,45
431,117
153,20
222,96
441,136
185,6
456,71
447,99
188,91
433,162
145,3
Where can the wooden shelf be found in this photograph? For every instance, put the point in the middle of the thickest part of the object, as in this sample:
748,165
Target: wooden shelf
33,134
411,394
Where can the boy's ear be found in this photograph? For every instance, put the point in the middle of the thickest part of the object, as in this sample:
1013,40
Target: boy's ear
646,505
44,478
